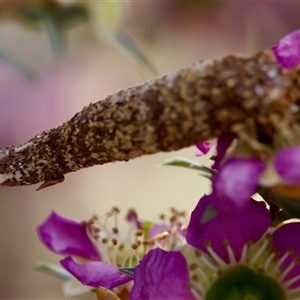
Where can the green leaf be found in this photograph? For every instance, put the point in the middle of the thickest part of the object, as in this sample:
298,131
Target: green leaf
52,269
189,164
205,175
128,271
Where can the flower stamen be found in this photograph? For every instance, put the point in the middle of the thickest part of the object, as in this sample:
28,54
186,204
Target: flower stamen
215,256
258,253
232,259
268,261
244,253
290,292
198,286
286,271
209,264
279,263
291,281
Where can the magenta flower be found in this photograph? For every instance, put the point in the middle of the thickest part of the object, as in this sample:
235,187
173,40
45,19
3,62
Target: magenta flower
241,173
223,144
287,165
242,176
286,240
162,275
67,237
219,219
237,180
287,51
96,273
72,239
94,254
203,148
230,255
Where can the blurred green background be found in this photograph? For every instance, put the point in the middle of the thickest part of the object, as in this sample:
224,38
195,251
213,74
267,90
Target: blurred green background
58,56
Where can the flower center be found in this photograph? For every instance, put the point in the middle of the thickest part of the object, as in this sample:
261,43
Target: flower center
259,273
126,250
242,283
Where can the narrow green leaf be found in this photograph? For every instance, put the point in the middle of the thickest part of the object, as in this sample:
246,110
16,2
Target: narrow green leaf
128,271
205,175
52,269
187,163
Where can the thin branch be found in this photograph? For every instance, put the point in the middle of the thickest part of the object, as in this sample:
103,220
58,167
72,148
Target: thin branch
171,112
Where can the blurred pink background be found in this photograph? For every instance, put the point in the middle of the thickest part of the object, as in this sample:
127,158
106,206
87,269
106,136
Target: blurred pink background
172,35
